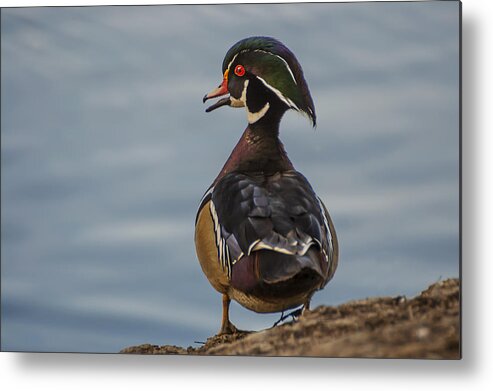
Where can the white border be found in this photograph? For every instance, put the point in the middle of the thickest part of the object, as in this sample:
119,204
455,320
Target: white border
474,372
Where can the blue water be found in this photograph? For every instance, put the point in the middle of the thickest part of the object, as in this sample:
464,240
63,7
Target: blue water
106,151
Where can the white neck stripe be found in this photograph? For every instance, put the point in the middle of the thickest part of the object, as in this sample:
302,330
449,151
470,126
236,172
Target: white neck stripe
254,117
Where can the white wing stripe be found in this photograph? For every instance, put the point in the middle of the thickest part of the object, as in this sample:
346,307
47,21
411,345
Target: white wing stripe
222,246
327,229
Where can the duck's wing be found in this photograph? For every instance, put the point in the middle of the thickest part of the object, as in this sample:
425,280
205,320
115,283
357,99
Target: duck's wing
280,213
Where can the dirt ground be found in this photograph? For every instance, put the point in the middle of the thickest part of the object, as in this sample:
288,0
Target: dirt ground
426,326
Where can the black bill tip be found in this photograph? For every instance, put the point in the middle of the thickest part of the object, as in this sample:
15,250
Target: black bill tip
221,102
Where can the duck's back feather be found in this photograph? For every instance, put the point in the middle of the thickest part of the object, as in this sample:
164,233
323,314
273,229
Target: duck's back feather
280,212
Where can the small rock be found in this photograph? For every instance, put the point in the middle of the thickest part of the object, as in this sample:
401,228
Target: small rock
422,332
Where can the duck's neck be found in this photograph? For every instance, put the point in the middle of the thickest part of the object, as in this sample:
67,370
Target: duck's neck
259,150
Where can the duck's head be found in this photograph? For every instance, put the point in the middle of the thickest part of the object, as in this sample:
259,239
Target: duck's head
264,76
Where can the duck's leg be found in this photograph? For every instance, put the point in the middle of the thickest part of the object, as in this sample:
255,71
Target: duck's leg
306,306
226,326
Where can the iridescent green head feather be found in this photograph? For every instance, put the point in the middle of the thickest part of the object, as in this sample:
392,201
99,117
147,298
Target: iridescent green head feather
277,67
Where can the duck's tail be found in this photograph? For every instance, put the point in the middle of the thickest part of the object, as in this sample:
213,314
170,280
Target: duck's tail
274,276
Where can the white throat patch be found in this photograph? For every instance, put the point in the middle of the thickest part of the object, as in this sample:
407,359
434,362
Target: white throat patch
254,117
242,102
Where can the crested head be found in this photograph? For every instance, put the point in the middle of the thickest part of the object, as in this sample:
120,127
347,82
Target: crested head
267,44
262,74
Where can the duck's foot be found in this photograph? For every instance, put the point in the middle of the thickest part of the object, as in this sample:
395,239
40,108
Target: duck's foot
226,326
294,314
306,308
230,328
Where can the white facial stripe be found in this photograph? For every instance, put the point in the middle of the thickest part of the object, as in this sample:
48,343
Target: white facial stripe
234,58
279,94
244,92
254,117
242,101
283,60
266,52
236,55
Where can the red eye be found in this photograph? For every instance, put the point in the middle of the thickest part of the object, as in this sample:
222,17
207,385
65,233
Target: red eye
239,70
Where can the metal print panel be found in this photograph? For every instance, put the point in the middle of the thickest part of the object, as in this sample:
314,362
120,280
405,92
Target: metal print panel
125,228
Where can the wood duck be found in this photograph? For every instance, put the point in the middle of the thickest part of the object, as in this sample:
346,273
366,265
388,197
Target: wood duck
262,236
